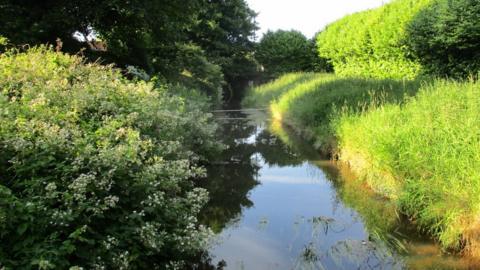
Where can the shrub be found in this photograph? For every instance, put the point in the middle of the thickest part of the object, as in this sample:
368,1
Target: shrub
284,51
445,37
371,43
96,170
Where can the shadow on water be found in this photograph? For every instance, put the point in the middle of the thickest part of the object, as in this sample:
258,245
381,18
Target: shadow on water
277,204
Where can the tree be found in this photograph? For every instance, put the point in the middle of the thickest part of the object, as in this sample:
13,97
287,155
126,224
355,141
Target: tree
284,51
317,62
445,38
225,31
179,42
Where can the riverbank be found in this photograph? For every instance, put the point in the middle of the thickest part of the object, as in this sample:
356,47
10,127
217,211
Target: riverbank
413,141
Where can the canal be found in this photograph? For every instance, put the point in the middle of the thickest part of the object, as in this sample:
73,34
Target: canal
277,204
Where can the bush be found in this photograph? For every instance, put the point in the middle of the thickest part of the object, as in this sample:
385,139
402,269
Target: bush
445,37
371,43
284,51
96,170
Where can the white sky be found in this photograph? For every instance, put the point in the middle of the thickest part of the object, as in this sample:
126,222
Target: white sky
307,16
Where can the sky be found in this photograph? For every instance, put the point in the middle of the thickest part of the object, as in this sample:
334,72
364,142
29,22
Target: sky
307,16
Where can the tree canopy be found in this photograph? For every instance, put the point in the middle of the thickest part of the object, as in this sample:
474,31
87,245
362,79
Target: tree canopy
285,51
200,42
445,37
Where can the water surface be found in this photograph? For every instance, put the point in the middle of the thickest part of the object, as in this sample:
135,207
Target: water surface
276,204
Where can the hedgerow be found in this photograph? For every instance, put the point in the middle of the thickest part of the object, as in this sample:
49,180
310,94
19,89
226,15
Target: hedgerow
96,171
372,43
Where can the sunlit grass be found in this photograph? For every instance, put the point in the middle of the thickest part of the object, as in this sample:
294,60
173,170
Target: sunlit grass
431,147
421,151
264,94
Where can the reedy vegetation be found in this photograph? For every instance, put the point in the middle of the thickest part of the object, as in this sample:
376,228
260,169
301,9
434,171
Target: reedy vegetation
421,151
423,154
96,170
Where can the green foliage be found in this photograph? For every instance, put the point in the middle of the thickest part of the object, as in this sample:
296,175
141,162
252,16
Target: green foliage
199,72
308,101
420,151
371,43
158,36
317,63
225,30
3,43
445,37
430,146
96,170
284,51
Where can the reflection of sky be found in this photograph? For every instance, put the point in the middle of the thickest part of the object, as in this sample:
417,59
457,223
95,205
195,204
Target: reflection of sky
274,232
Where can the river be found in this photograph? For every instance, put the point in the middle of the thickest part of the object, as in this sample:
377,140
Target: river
277,204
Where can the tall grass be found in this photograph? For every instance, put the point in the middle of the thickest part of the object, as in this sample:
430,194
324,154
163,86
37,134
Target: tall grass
308,101
416,142
430,149
264,94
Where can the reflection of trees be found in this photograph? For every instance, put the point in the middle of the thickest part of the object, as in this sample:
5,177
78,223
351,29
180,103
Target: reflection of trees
228,186
204,262
275,152
233,174
295,143
379,215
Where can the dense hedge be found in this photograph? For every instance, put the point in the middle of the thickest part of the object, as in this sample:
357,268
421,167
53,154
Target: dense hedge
371,43
95,170
445,37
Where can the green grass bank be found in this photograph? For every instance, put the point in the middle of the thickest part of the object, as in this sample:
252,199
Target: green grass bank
413,141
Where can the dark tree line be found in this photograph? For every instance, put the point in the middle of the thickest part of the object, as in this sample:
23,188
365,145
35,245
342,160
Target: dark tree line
283,51
445,37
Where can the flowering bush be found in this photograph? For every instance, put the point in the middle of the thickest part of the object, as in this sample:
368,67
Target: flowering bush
95,170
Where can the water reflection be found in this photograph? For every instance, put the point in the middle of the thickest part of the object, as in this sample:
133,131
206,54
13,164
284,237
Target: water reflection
232,175
277,205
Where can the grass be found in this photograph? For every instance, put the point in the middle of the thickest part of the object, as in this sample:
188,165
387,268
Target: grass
308,101
416,142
